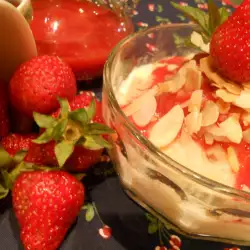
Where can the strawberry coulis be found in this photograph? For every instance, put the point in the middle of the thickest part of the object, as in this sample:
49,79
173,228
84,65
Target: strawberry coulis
80,32
166,101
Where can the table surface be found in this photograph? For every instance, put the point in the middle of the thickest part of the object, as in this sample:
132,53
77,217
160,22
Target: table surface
132,228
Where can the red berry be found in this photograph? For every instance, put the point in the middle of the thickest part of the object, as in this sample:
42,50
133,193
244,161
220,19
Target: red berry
105,232
229,47
13,143
4,110
46,204
36,84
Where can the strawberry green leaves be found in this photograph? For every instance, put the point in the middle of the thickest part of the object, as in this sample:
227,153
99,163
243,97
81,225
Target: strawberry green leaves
208,22
63,151
44,121
71,128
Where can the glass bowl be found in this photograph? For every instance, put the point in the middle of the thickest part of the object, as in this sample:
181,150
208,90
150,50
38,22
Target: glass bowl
81,33
187,202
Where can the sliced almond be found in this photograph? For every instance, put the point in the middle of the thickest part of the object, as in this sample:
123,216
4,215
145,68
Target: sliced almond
224,107
232,129
187,73
245,117
172,85
226,96
206,67
232,88
195,101
138,103
243,100
143,116
246,85
233,159
215,131
246,135
216,152
210,113
193,79
193,122
168,127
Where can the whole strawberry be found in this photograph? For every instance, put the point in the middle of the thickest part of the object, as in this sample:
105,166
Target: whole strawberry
4,110
77,131
229,47
46,204
37,83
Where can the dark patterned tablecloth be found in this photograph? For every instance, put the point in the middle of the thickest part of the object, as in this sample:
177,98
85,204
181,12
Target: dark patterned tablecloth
110,220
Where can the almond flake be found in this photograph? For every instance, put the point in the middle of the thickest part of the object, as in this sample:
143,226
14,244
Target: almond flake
195,101
167,128
225,95
233,159
188,72
246,85
193,122
143,116
232,129
205,66
210,113
243,100
224,107
246,135
216,152
138,103
232,88
193,79
172,85
245,117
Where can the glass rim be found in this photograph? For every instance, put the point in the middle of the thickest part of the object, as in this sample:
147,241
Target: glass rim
153,150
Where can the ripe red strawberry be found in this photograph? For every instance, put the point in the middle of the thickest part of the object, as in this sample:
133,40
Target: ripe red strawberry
46,204
36,84
4,110
13,143
229,47
83,100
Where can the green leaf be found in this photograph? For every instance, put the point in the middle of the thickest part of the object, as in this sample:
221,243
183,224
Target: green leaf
6,179
20,155
151,218
45,137
65,108
97,129
79,115
3,192
196,15
90,213
224,14
44,121
59,129
96,142
5,158
91,110
63,150
152,228
214,16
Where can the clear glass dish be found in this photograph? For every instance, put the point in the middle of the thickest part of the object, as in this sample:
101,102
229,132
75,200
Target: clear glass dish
187,202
